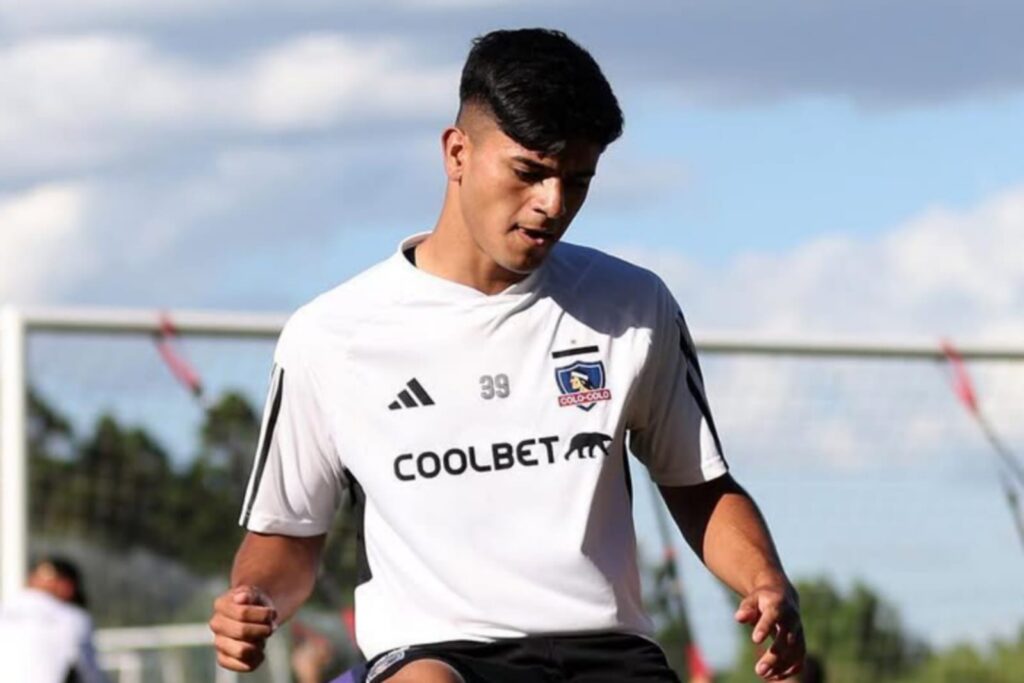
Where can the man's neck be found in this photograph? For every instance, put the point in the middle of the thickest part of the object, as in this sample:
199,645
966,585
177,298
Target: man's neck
450,252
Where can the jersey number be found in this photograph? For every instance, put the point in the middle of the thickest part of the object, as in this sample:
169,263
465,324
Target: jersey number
494,385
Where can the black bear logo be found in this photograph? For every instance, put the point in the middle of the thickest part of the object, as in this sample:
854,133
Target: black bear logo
586,443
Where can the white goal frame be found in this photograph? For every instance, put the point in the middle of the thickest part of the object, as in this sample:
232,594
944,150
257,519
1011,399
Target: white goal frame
16,324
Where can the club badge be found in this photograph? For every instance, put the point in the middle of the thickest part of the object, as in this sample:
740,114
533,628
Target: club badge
582,384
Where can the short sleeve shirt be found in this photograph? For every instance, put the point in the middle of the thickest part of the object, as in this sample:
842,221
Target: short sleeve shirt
485,438
42,639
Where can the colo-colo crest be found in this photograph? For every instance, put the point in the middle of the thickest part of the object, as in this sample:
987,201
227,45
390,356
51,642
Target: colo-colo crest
582,384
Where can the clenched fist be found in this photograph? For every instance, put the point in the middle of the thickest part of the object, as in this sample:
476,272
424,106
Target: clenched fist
243,618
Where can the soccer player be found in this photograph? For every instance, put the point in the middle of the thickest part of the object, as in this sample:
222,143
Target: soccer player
45,632
474,397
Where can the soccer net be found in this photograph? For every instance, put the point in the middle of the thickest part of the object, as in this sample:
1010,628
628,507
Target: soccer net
137,431
887,499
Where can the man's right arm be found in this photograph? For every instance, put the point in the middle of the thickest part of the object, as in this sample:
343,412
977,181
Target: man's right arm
272,576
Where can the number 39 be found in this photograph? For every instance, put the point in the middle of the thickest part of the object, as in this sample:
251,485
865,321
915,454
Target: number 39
494,385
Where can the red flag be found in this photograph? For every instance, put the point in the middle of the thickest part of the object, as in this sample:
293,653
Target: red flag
176,362
699,669
348,617
961,380
180,368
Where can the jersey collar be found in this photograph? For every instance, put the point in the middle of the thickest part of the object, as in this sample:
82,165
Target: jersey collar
450,288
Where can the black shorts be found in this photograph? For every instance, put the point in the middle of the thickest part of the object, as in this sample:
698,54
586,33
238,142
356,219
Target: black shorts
593,658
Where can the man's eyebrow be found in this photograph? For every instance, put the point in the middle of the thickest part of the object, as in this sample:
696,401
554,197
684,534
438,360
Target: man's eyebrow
534,165
543,168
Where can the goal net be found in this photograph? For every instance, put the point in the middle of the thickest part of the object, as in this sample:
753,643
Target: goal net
884,495
140,430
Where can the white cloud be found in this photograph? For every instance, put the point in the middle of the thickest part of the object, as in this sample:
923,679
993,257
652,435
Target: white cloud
80,99
944,272
976,255
203,234
315,80
921,52
86,99
81,81
43,240
48,14
63,14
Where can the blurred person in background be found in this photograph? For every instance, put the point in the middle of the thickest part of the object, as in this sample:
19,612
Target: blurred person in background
46,634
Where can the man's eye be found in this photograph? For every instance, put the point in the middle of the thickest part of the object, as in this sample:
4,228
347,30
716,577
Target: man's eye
529,176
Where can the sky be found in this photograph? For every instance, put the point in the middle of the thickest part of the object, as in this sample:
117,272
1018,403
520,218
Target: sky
791,168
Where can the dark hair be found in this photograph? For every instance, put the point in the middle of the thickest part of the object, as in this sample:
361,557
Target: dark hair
67,570
542,88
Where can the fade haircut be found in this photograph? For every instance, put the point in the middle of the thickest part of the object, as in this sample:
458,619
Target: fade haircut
542,89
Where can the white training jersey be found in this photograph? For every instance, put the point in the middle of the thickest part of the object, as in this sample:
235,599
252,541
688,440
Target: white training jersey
42,639
484,438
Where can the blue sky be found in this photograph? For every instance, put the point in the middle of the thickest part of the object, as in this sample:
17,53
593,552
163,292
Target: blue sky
767,177
790,168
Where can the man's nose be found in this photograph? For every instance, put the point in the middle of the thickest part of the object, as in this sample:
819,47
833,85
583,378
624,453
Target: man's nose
551,201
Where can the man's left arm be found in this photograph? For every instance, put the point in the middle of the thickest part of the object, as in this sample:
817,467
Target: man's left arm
722,524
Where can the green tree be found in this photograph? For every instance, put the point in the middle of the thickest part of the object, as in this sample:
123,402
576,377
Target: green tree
228,439
208,495
1000,662
667,606
50,454
126,478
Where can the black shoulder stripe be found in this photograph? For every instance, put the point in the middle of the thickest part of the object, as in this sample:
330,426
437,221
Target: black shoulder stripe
266,438
686,346
705,410
689,352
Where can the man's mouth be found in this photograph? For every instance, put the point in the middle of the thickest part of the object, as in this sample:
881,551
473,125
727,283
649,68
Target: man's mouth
537,236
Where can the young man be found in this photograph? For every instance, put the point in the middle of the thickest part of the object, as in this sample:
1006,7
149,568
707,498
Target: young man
45,632
475,394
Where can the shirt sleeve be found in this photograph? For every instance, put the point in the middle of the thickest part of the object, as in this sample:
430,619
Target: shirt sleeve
87,665
672,430
296,482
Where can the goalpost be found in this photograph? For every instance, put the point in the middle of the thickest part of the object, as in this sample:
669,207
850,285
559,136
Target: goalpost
13,455
15,326
135,654
119,428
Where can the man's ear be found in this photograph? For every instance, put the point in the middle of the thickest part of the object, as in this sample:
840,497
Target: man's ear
455,147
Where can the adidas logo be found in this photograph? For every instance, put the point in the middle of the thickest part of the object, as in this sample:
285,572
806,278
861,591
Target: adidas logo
409,400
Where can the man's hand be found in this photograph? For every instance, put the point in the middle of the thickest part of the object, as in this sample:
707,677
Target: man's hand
243,618
773,611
